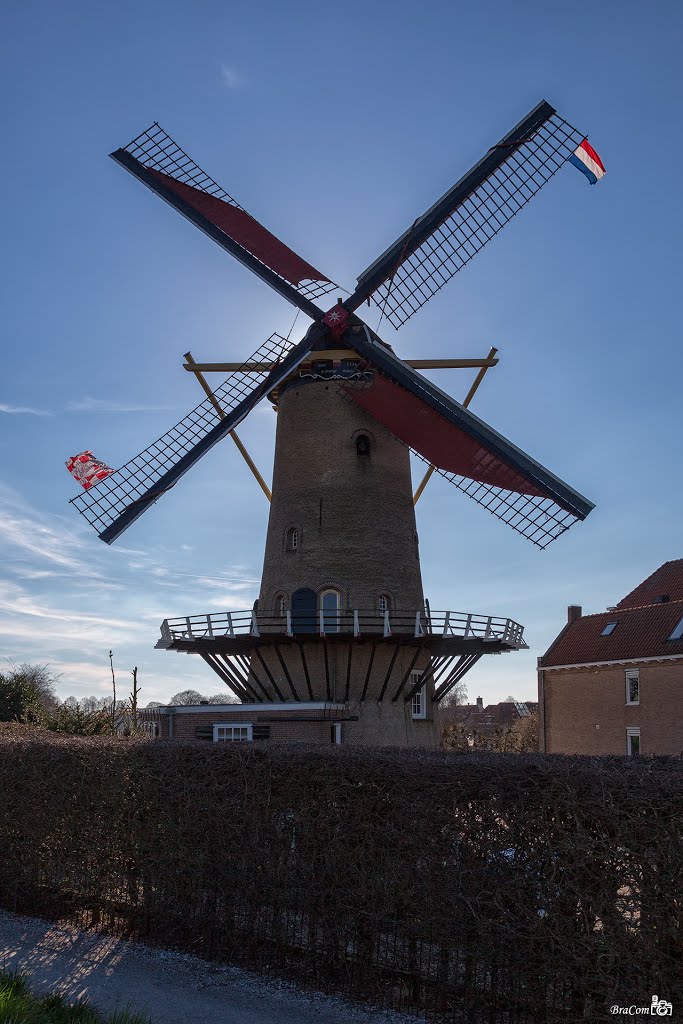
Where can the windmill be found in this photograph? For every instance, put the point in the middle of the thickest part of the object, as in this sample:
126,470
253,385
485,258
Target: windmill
341,626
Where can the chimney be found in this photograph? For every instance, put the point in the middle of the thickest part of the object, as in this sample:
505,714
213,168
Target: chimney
573,612
480,704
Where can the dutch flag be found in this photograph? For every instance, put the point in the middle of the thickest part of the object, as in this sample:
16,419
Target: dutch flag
588,162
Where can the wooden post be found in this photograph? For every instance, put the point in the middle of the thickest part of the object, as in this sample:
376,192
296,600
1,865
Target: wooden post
490,361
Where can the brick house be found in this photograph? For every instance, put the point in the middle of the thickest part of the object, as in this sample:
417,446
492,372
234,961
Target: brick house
612,683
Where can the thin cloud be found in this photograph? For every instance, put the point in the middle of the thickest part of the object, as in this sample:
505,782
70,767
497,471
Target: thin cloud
104,405
22,410
231,77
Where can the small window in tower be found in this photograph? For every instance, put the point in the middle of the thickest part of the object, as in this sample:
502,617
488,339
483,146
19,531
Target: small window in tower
329,605
281,605
292,540
384,604
362,444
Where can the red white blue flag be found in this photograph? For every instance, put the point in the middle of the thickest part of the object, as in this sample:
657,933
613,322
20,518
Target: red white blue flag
588,162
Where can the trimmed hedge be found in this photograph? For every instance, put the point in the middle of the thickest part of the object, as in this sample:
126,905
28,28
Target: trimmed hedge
477,887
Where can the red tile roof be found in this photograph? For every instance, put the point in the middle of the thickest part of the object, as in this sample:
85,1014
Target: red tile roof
665,581
644,624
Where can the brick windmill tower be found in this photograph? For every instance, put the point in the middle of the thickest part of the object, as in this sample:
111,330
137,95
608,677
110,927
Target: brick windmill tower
341,644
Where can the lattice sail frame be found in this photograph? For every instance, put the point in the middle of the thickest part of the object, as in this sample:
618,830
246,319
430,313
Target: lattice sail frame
102,505
539,519
156,150
487,209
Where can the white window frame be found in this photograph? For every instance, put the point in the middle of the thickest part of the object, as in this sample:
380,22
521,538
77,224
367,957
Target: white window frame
630,674
242,727
631,734
292,538
418,702
384,603
330,625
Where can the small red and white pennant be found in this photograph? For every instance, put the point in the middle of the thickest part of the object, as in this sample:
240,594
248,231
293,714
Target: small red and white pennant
88,470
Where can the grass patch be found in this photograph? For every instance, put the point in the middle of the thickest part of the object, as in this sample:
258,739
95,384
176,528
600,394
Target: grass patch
19,1006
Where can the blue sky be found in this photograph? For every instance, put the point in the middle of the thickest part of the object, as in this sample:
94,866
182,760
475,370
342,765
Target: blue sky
336,125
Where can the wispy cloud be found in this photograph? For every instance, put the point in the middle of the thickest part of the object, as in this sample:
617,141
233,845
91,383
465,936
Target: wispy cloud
66,600
22,410
231,77
104,405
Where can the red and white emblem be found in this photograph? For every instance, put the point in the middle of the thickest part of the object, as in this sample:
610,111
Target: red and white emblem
88,470
336,319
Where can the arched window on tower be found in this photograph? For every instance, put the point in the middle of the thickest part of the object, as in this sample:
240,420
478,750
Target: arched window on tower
384,603
292,539
281,605
329,605
362,444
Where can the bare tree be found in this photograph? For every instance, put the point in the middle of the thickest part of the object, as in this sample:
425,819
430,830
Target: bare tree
134,700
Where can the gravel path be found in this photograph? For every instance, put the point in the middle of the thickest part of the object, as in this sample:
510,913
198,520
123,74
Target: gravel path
171,987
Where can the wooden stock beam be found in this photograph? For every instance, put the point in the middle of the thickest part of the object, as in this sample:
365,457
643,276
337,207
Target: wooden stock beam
416,364
484,363
196,369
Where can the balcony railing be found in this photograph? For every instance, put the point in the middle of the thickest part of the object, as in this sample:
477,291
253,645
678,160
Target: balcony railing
356,623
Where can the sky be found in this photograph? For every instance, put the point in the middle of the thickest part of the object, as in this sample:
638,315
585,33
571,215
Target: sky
336,126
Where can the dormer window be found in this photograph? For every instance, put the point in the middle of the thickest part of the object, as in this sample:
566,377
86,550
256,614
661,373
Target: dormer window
609,628
677,632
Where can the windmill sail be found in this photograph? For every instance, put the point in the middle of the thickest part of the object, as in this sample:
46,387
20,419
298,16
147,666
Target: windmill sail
466,450
470,214
121,498
156,160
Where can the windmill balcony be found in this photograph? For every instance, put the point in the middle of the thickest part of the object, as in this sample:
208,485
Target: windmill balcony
445,631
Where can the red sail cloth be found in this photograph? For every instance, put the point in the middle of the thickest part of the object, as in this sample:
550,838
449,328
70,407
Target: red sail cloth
437,439
242,228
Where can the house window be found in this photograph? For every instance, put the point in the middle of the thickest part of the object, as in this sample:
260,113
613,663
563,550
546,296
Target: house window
633,742
235,732
609,629
383,603
632,686
281,605
418,702
292,539
676,632
329,604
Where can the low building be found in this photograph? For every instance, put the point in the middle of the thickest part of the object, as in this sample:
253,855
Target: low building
612,683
